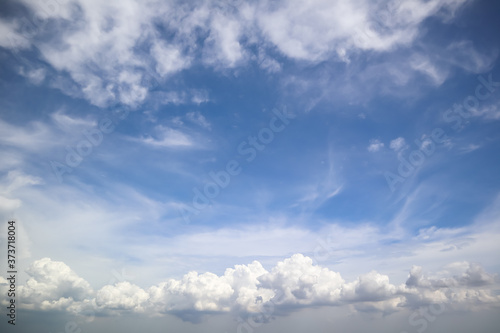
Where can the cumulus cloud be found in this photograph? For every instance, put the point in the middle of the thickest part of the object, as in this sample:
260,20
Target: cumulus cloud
471,287
200,292
369,287
472,274
397,144
375,145
293,283
298,281
121,296
53,285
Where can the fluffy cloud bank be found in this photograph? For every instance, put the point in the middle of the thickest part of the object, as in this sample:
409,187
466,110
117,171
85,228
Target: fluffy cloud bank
245,289
114,51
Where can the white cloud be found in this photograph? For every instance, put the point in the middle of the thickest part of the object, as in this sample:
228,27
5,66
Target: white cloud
471,274
469,148
297,281
121,296
34,136
71,124
199,292
8,204
375,145
370,287
489,112
461,285
353,250
169,58
397,144
199,119
318,29
187,96
199,96
249,288
244,280
465,55
53,281
423,64
16,179
130,88
13,181
98,47
10,37
36,76
167,137
224,48
103,42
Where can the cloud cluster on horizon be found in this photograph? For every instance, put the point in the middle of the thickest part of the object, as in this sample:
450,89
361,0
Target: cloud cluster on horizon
245,289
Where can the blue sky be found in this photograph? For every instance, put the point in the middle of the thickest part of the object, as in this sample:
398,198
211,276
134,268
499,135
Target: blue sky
331,159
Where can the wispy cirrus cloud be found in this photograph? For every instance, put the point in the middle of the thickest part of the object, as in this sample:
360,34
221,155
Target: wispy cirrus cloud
167,137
